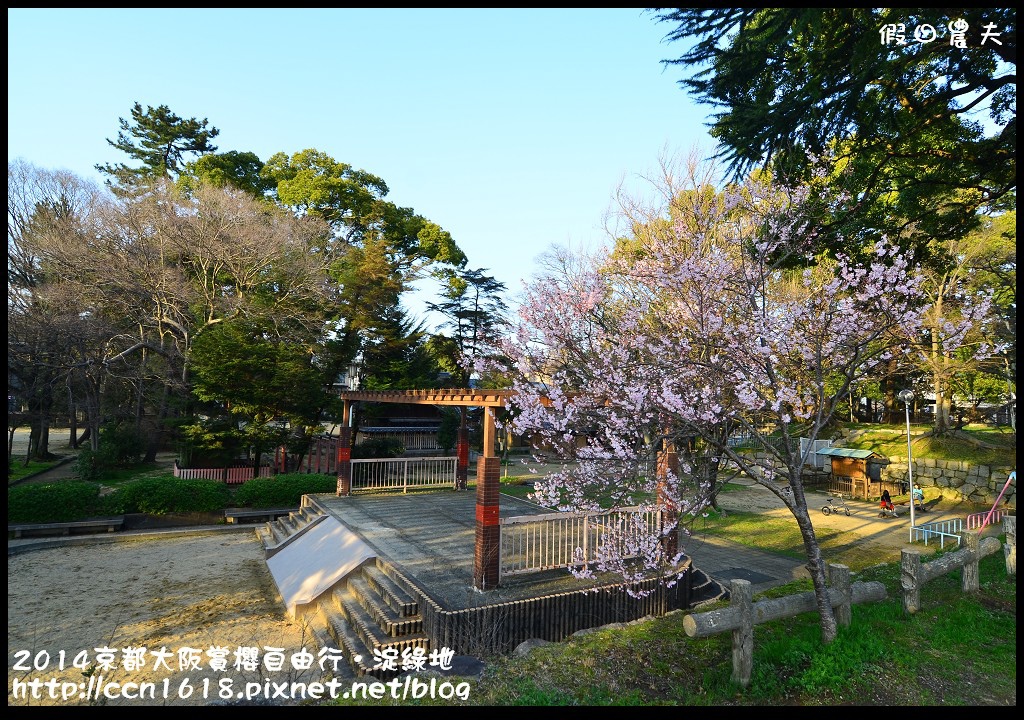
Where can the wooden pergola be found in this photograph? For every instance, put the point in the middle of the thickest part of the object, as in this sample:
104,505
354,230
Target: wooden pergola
461,398
488,474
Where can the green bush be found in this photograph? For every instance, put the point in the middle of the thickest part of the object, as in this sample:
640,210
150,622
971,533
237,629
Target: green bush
119,446
376,448
284,490
55,502
159,496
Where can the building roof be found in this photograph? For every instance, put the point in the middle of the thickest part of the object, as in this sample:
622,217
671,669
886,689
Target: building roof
850,453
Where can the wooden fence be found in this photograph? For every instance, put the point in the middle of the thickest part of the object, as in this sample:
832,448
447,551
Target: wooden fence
743,614
914,574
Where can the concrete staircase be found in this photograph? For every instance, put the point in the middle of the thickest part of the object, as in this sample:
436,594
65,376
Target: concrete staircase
356,605
277,534
369,616
705,590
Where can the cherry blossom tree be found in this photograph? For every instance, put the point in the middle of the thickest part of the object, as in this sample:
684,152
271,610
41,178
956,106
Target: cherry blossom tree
710,316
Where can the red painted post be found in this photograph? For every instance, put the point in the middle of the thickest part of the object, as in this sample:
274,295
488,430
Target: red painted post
462,459
488,529
668,462
344,462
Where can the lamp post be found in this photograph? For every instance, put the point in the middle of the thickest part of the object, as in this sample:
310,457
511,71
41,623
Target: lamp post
906,396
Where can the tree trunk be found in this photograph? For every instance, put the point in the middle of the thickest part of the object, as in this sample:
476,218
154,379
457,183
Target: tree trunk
72,421
815,563
156,437
939,366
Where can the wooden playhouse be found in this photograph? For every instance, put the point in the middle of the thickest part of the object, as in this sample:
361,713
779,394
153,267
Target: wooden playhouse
856,473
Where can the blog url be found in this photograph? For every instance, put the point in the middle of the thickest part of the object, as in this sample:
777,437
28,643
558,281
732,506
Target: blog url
98,688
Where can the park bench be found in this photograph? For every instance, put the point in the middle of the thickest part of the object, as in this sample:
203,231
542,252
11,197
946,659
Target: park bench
239,515
109,524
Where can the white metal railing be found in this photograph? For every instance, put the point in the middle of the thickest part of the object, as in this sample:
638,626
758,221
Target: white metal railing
403,473
940,529
532,543
231,475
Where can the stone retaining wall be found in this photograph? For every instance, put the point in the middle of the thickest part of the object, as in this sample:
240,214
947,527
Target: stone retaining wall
979,484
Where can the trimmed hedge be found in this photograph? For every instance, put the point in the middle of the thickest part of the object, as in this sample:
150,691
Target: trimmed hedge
159,496
72,500
57,502
283,490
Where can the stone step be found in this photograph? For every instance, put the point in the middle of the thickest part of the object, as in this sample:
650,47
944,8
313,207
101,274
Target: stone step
319,627
387,619
276,532
395,596
283,528
372,635
291,523
358,656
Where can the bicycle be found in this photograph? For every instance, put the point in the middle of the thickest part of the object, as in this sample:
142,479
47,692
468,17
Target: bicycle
835,505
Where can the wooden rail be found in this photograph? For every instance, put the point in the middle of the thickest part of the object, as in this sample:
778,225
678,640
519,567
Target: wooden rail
743,614
913,574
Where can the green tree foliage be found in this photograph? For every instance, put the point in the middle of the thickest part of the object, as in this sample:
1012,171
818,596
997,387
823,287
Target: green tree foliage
376,248
161,141
927,129
395,356
475,314
353,203
303,257
258,380
242,170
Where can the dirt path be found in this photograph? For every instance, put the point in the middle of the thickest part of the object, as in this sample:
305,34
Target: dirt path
863,519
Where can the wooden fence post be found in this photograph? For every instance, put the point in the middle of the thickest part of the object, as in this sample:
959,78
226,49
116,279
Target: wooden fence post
910,580
969,577
743,636
1010,549
742,614
839,581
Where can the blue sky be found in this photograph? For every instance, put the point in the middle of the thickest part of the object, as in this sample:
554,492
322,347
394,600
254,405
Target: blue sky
511,128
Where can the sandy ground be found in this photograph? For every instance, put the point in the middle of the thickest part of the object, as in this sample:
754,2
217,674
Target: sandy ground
204,591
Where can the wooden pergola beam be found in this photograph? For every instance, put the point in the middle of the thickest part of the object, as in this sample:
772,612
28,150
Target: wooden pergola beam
452,396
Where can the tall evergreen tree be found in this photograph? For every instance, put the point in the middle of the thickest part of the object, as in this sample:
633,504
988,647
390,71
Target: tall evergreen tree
475,314
161,141
926,123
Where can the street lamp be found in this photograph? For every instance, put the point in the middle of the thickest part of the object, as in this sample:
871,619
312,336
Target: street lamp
906,396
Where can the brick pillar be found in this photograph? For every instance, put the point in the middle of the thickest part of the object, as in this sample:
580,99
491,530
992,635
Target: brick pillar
485,563
345,462
462,460
668,460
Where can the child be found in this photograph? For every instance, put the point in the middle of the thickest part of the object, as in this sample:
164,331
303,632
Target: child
885,505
